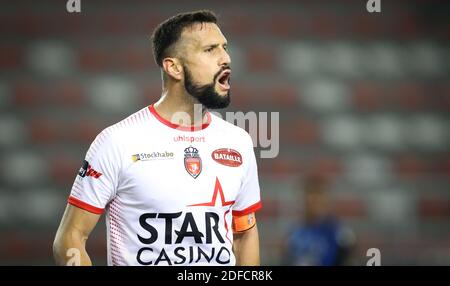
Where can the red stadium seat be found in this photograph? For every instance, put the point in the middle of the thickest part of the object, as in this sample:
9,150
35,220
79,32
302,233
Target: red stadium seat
239,25
69,94
10,57
301,132
83,131
442,100
63,169
30,24
283,25
28,94
132,58
115,23
44,131
325,165
15,245
350,207
244,96
410,167
410,96
150,93
434,208
324,25
441,166
368,96
280,166
261,59
281,96
95,59
365,26
147,20
270,209
405,25
68,26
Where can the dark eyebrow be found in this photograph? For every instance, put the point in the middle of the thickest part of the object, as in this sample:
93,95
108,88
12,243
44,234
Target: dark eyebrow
211,46
215,45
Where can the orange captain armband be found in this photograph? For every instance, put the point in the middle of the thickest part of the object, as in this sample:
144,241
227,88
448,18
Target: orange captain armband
243,223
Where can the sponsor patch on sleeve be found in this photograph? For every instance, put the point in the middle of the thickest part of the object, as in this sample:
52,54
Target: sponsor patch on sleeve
83,170
87,170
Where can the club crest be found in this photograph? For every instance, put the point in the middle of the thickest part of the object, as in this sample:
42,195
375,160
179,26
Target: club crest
192,161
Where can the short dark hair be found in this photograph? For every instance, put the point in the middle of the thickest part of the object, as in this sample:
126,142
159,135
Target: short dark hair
168,32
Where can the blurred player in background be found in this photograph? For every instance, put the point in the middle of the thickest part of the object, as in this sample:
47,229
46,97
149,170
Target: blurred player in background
174,193
320,239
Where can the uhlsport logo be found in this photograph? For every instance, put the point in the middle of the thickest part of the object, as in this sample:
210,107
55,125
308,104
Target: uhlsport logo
192,161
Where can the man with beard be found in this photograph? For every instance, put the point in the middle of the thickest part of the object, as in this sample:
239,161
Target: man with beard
178,184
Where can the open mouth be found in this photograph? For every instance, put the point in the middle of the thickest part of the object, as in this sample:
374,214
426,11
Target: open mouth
224,80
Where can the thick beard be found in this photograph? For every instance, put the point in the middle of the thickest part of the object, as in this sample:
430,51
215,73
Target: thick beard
206,94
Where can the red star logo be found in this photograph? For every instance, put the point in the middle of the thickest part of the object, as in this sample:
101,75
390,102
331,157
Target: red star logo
212,203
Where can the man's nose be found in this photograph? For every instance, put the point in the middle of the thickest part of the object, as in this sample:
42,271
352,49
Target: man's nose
225,58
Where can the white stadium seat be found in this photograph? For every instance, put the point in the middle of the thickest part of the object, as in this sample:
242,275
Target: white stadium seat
392,207
12,131
300,59
23,168
367,170
384,60
385,131
51,58
342,132
113,94
428,132
41,205
342,59
325,95
426,59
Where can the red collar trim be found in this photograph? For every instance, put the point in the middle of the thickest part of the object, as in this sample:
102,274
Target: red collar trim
177,126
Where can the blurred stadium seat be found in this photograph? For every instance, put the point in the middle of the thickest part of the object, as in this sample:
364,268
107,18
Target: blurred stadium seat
386,132
428,132
367,170
384,60
300,59
113,94
325,96
12,131
24,168
343,132
51,58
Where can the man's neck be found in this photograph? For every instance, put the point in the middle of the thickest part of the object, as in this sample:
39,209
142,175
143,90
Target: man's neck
179,107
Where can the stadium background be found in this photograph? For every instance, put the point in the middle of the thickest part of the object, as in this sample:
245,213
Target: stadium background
363,98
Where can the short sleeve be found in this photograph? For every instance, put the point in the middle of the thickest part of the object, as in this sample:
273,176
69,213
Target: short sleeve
248,199
96,183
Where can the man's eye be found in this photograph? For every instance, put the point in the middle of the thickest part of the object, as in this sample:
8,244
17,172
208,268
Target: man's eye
209,49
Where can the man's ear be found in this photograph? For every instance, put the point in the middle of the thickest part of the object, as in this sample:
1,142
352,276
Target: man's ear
173,68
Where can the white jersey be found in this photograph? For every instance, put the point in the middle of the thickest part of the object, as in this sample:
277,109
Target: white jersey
169,193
